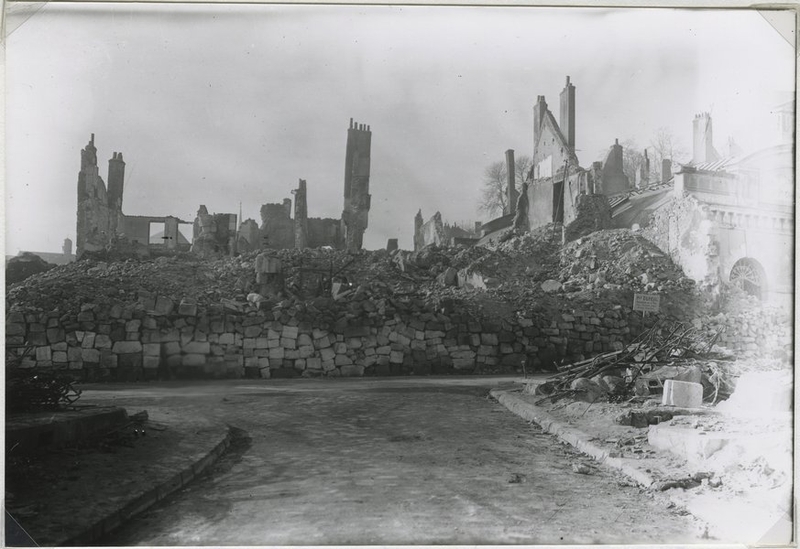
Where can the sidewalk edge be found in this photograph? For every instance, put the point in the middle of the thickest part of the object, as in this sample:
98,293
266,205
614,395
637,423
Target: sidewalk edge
137,505
573,436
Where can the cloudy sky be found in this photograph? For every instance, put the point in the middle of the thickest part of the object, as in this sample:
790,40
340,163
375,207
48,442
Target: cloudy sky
227,104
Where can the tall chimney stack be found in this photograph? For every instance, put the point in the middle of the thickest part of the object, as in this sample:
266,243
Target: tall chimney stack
703,140
511,191
666,170
567,118
539,111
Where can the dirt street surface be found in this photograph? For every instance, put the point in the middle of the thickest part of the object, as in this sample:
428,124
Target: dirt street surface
386,461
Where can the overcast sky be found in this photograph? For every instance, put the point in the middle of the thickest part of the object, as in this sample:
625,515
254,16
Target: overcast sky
227,104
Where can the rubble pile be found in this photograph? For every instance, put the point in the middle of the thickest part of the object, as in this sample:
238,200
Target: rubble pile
66,288
473,309
616,259
20,267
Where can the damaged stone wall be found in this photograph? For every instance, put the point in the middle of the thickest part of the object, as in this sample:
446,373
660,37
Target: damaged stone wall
555,199
683,230
159,338
436,232
249,237
214,235
324,231
708,241
98,211
277,227
355,215
592,212
613,180
432,232
301,215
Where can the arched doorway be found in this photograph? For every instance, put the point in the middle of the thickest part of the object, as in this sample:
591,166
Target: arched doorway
747,274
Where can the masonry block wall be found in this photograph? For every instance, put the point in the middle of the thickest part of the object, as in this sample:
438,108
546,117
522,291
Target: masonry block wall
683,230
159,338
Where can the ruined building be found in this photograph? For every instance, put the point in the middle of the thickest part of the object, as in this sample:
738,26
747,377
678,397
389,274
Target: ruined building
356,185
101,222
102,225
280,230
724,219
559,189
284,225
730,220
435,231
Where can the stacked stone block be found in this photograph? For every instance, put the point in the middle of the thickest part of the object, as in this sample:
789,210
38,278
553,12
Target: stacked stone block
157,339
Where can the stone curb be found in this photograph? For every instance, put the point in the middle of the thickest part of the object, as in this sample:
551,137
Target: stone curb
144,501
573,436
581,441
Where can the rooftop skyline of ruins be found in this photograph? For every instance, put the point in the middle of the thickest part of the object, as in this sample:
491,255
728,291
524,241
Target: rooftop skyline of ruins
212,123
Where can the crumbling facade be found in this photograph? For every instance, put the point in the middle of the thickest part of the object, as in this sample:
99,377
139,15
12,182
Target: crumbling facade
248,237
557,188
98,209
439,233
557,181
355,215
279,230
214,235
731,220
277,227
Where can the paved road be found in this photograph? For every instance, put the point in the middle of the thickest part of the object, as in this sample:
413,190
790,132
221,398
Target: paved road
389,461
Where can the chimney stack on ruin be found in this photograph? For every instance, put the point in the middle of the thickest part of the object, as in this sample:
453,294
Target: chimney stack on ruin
567,118
539,111
703,140
116,181
666,170
511,188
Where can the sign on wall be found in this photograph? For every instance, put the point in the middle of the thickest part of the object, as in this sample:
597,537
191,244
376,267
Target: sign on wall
646,303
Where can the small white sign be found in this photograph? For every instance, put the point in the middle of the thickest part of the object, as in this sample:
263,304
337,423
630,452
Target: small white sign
646,303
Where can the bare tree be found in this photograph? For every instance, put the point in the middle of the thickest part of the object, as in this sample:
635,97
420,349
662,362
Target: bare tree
665,146
522,167
632,159
494,193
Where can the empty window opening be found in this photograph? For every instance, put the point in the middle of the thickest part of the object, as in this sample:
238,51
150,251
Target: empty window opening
157,233
185,234
748,275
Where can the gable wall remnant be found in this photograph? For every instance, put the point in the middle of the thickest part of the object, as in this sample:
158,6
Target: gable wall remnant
614,180
98,212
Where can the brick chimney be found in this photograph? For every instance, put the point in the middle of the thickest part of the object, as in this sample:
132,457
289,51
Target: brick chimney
539,111
703,140
666,170
567,118
511,189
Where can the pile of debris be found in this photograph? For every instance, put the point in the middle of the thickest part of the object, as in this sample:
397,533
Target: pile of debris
619,258
667,351
521,273
20,267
